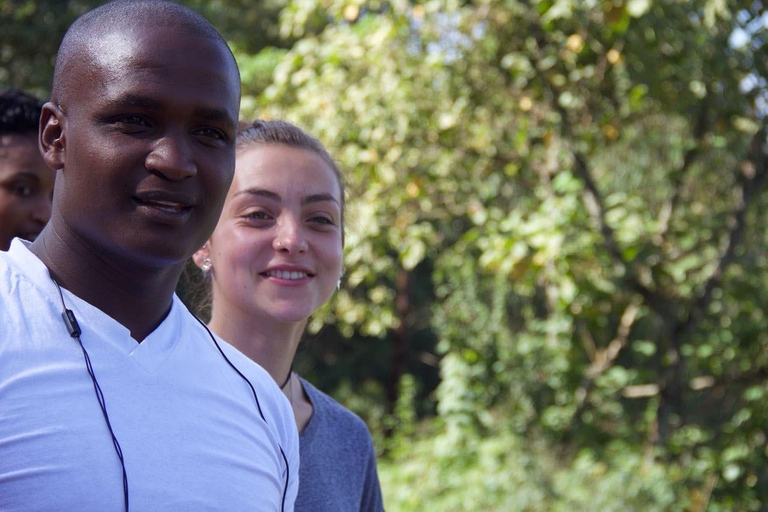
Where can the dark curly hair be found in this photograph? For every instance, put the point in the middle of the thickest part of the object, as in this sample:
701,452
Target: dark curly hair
19,112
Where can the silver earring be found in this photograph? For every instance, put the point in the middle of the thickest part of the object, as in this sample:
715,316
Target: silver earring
206,268
338,283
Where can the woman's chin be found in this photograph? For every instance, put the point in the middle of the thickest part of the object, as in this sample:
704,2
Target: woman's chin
291,314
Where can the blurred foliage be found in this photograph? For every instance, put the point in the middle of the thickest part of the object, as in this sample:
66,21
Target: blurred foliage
583,183
557,203
31,31
507,473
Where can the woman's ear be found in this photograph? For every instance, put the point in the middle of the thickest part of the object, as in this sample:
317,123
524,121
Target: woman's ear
201,255
51,139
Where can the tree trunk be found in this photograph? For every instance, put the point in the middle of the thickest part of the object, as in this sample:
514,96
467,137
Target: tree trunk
401,341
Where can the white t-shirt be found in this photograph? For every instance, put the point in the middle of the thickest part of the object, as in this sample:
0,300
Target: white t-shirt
188,424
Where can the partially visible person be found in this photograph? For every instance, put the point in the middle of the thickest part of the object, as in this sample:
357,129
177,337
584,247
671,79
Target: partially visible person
274,258
113,396
26,182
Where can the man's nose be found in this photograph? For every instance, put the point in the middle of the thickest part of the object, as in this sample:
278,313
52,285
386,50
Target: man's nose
171,157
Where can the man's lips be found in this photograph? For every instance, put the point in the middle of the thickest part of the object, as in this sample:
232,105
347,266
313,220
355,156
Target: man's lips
167,202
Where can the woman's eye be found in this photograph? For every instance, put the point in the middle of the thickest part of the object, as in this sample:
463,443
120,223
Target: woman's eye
320,219
260,215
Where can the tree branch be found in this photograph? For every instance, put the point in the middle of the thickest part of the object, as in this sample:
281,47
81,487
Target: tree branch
605,358
594,201
678,177
756,376
753,176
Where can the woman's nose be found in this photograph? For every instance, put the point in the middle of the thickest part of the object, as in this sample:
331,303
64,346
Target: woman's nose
290,238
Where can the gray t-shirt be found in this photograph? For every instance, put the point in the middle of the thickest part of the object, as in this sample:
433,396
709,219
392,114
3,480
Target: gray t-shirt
338,463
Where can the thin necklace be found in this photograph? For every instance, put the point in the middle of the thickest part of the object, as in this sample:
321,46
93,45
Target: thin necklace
288,378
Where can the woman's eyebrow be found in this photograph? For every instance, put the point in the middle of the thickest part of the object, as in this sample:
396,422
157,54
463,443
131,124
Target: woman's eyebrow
261,192
314,198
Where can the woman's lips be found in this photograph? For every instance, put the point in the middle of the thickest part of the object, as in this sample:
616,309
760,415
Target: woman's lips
286,274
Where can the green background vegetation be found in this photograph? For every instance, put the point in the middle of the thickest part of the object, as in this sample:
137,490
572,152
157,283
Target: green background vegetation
556,267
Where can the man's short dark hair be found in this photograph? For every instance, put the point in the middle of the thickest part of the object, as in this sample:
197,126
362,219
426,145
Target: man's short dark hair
19,112
124,14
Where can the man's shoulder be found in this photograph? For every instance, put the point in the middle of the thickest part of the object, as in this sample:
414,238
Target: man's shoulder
271,400
19,265
246,376
19,293
5,278
6,272
225,352
250,369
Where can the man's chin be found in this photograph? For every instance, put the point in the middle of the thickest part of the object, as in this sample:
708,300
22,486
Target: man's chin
148,254
30,237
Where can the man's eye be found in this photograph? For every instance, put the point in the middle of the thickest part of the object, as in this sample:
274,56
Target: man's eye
132,119
23,190
212,133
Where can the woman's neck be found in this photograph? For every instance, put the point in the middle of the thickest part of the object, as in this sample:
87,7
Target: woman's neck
270,343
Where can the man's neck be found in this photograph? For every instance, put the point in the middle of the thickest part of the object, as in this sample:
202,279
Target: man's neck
138,297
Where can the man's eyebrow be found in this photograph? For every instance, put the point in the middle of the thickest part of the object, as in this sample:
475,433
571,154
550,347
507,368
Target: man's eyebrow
26,174
136,100
315,198
213,114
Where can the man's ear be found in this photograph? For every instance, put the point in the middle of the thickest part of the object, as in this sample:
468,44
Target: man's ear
52,141
201,255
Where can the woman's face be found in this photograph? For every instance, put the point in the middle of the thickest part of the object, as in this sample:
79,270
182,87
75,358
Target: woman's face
277,249
26,185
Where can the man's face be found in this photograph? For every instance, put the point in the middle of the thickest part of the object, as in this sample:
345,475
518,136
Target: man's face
26,184
148,128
